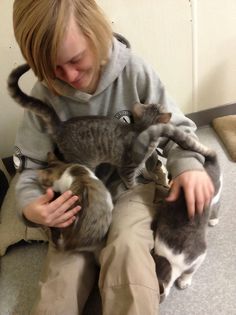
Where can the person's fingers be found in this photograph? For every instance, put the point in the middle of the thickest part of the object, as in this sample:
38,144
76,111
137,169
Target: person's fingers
204,198
63,200
68,204
66,223
190,202
67,216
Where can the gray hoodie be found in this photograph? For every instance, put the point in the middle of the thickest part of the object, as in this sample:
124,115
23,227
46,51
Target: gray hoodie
125,80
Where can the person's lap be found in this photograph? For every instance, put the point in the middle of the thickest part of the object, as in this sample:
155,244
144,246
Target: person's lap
127,280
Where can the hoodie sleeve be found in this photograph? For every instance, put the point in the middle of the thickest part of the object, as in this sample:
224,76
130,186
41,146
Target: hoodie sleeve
27,190
31,147
151,90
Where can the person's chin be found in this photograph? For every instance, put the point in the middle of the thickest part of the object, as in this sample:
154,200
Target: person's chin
79,85
82,84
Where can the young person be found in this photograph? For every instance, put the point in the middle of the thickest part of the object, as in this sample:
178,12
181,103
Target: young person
83,70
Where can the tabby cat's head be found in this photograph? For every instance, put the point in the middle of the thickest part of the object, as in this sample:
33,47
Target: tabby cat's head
150,114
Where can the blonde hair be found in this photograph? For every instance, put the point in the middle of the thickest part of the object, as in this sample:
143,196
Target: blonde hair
40,25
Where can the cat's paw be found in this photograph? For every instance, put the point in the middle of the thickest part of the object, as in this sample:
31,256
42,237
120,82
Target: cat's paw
184,282
152,146
213,222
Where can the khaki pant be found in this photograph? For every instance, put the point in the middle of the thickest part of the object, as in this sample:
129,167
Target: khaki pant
127,280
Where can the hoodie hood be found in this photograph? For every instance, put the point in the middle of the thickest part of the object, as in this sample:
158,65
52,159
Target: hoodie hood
120,54
119,57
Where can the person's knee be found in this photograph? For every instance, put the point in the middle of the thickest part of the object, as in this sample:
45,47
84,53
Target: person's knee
127,259
126,246
133,237
124,240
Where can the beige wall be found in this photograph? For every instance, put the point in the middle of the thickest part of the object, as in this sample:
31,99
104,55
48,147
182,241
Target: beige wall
10,57
192,45
216,53
159,31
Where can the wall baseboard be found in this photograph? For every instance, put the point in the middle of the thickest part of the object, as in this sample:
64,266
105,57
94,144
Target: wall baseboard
205,117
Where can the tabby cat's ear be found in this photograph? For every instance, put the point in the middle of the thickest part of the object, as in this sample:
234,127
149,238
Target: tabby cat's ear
163,118
138,110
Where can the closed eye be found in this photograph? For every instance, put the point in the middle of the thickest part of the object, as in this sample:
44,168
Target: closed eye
77,58
73,62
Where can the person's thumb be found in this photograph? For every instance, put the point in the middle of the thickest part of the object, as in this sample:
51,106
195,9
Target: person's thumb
48,196
174,193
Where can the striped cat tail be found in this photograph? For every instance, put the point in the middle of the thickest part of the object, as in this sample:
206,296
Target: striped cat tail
33,104
149,139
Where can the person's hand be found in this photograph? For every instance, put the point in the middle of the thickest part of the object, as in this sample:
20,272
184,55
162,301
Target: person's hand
198,190
54,213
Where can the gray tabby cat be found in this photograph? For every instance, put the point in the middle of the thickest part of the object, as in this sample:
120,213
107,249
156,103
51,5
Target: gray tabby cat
89,230
93,140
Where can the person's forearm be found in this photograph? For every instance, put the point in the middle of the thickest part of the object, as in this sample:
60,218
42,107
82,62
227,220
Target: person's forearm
27,190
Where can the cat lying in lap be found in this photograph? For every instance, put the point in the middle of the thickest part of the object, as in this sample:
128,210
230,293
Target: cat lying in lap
88,232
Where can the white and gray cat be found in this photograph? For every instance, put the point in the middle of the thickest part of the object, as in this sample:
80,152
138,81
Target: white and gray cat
93,140
88,232
180,243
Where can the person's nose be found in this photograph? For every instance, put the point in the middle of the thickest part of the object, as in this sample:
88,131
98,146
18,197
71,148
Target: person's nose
71,74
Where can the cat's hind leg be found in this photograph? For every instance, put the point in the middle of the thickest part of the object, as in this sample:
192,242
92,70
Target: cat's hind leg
185,280
214,211
128,176
214,218
130,173
215,207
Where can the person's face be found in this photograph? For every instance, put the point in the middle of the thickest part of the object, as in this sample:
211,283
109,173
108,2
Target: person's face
75,62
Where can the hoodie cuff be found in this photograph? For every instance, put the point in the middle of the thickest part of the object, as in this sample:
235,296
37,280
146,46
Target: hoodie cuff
184,164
